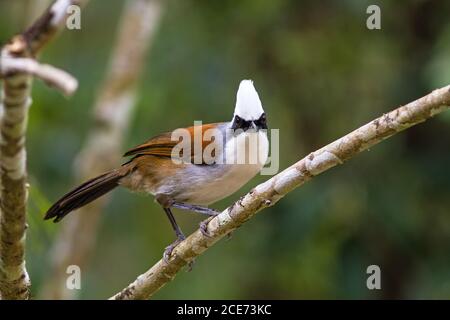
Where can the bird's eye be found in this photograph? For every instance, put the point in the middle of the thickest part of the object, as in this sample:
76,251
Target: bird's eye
237,122
262,122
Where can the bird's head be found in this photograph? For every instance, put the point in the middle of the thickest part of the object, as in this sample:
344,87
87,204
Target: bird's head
248,113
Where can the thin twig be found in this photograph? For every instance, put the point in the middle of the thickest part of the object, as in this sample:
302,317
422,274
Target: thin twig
52,76
269,192
49,24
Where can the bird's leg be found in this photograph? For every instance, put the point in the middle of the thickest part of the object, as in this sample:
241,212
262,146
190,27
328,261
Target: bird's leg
167,202
195,208
178,233
203,210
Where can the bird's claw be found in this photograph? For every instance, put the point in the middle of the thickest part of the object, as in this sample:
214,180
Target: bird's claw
169,249
204,227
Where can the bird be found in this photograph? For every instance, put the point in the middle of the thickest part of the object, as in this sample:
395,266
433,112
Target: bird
180,173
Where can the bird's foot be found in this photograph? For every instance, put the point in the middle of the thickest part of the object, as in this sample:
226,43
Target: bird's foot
169,249
204,227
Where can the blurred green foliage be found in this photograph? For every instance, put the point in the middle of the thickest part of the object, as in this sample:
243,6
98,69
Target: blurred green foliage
320,73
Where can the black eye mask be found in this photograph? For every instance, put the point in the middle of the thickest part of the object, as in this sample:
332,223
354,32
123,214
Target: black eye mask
261,123
239,123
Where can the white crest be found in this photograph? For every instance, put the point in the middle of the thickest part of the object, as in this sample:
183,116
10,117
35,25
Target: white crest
248,105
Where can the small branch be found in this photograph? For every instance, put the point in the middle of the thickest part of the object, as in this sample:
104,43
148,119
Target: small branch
269,192
50,75
15,101
112,112
49,24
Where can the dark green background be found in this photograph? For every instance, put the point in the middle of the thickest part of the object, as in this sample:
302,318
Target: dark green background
320,73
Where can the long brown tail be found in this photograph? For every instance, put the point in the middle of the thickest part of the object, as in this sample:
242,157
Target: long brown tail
85,193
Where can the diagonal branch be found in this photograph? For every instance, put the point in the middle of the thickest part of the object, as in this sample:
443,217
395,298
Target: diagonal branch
15,101
269,192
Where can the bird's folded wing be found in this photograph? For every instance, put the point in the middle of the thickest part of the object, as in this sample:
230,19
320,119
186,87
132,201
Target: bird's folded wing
163,144
160,145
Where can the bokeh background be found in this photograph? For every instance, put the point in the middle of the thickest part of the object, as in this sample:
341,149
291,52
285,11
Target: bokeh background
320,74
